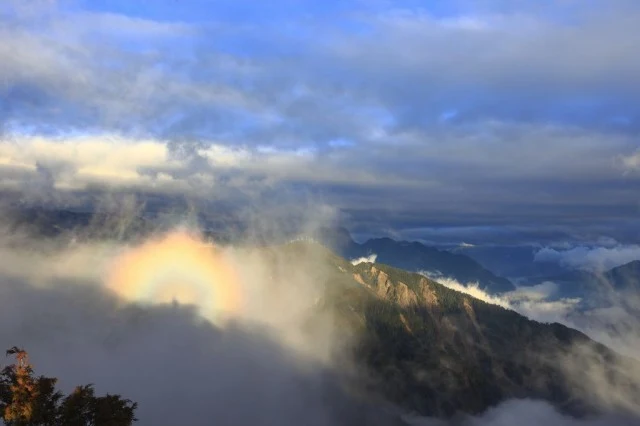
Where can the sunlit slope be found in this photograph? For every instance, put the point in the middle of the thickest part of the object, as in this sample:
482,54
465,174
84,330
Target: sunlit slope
437,351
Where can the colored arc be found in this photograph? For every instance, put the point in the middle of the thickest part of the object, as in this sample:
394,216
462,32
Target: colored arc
180,267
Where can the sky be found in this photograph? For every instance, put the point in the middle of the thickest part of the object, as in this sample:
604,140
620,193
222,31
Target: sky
492,121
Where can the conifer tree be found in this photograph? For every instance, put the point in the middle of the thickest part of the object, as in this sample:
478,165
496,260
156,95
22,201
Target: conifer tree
27,400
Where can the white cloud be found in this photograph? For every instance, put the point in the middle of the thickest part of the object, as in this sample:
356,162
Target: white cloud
77,163
471,289
533,302
499,49
365,259
597,259
614,325
36,164
630,162
122,26
220,155
524,412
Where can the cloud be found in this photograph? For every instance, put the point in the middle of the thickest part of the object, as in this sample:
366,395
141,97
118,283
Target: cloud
524,412
78,163
275,354
338,118
534,302
615,325
614,322
631,162
124,26
80,327
596,259
166,358
475,59
472,289
35,165
369,186
365,259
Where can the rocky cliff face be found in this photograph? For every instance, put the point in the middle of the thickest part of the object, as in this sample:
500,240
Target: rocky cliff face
399,292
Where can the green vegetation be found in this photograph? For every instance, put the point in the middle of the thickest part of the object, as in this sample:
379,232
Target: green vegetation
27,400
437,351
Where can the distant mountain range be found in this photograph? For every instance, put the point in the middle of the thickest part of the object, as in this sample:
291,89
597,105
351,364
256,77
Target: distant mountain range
513,262
620,285
625,277
416,257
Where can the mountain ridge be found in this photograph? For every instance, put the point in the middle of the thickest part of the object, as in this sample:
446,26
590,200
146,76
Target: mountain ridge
436,351
415,256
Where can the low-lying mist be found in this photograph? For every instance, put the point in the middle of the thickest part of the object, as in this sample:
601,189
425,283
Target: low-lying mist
196,332
614,326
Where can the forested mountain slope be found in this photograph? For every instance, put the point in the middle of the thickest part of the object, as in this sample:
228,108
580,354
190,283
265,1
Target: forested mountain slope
437,351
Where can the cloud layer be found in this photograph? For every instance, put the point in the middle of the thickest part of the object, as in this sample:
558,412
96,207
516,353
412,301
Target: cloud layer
401,116
596,259
614,322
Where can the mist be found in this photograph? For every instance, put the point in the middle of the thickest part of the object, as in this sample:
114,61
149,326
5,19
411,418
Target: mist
275,359
524,412
616,326
271,361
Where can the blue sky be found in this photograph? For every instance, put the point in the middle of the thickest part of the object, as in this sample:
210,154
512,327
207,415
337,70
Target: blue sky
243,12
507,115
